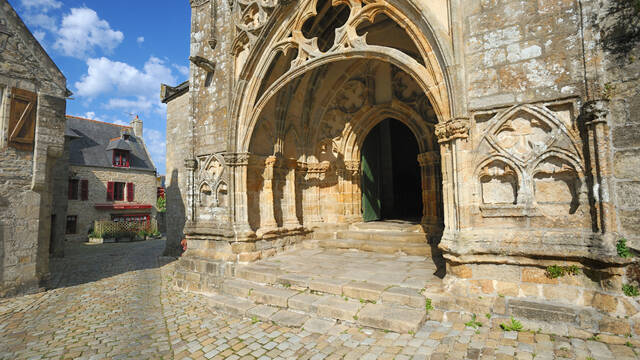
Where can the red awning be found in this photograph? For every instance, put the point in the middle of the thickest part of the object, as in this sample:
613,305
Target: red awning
122,206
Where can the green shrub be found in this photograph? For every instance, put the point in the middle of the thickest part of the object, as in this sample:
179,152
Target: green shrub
161,204
556,271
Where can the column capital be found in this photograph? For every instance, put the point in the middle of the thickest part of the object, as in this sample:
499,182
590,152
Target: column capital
429,158
190,164
236,159
455,128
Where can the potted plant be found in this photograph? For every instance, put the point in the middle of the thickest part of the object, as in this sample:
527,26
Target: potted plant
95,237
108,237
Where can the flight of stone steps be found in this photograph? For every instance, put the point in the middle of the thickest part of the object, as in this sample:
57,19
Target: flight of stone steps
380,237
296,300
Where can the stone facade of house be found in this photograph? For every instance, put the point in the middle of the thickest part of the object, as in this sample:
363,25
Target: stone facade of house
90,169
32,108
522,145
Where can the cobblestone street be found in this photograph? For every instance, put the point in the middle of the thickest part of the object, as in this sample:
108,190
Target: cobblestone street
114,301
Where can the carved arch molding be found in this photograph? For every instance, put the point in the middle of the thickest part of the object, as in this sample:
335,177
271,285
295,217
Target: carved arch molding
268,30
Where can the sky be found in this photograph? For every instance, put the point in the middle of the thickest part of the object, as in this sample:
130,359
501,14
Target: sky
115,54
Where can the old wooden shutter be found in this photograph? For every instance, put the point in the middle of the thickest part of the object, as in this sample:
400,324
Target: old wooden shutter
110,191
22,119
129,191
84,185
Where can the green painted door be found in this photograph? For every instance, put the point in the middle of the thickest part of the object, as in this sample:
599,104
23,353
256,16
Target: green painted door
370,160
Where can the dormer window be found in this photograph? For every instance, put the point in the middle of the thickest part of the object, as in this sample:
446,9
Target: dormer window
120,158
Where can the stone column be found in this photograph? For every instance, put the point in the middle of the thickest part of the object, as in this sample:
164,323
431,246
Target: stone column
290,218
352,192
301,172
430,198
315,175
595,115
191,165
238,164
450,134
266,201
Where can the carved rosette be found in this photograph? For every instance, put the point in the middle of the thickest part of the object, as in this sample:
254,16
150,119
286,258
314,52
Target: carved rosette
457,128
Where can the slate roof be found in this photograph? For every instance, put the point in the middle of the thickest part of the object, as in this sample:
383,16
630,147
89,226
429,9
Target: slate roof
90,149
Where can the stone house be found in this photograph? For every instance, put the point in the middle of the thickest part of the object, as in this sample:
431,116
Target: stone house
506,133
110,175
32,106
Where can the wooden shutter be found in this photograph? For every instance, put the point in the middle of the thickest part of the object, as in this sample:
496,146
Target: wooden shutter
110,191
129,192
84,185
22,119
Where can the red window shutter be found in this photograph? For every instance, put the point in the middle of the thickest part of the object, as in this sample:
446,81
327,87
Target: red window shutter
84,184
110,191
22,119
129,192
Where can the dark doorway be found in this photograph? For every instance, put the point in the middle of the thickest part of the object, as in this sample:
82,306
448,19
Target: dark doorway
390,173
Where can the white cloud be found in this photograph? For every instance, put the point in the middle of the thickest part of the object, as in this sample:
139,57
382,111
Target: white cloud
141,104
140,39
43,21
184,70
82,31
39,35
91,115
120,122
104,76
43,5
157,146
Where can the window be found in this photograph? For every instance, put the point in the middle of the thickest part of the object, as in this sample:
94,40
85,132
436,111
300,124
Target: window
72,222
116,191
22,119
120,158
73,189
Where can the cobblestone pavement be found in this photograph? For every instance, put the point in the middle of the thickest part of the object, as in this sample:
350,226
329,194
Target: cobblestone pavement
113,301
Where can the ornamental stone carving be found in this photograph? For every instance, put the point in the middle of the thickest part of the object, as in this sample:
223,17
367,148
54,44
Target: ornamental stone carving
453,129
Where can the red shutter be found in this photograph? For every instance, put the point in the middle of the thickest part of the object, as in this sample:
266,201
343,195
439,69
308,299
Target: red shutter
22,119
110,191
129,192
84,184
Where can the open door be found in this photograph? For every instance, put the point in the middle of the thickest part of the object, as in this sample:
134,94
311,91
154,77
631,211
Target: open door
370,160
391,186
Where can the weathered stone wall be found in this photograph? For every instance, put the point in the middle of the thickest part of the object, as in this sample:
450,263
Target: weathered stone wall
144,193
25,176
60,183
178,150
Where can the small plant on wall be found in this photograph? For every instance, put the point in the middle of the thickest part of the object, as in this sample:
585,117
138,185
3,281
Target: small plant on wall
623,250
556,271
630,290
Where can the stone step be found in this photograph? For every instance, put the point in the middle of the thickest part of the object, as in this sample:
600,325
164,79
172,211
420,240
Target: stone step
384,247
258,293
391,317
384,236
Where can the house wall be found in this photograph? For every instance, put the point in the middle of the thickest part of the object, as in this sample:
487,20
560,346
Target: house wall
144,193
25,192
178,151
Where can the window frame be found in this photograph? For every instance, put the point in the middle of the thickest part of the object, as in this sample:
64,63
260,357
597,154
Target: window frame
120,158
73,193
119,188
71,230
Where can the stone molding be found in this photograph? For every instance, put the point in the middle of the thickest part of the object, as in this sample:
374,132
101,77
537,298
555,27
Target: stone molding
457,128
236,159
429,158
197,3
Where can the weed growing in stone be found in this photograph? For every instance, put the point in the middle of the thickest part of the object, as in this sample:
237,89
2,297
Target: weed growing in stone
427,306
488,316
629,344
411,332
254,319
556,271
630,290
623,250
514,325
473,323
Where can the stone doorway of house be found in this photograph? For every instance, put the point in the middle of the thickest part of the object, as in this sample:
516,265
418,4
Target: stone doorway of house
391,188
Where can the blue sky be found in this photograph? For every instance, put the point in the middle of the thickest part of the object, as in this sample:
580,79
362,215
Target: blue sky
115,54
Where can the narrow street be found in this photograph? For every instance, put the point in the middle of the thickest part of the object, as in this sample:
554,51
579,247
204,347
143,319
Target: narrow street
112,301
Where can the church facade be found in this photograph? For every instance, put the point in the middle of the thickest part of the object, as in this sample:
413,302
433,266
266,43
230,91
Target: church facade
507,132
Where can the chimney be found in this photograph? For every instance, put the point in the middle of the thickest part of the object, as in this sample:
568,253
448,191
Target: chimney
136,124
